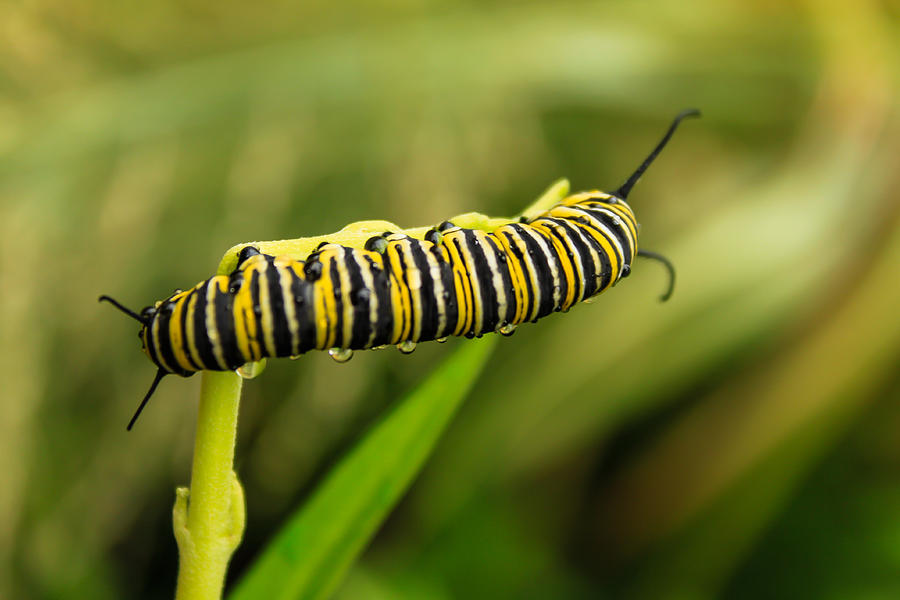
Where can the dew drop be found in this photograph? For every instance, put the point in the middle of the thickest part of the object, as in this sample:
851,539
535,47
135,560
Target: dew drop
251,369
340,355
406,347
506,329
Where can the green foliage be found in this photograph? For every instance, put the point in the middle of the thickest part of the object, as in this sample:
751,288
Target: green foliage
319,543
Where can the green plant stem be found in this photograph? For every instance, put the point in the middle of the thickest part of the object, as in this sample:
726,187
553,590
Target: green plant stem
209,518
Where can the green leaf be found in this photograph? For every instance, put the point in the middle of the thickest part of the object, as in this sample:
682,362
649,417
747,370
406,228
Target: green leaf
312,552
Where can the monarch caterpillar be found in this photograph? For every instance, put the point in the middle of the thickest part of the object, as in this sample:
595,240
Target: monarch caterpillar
399,289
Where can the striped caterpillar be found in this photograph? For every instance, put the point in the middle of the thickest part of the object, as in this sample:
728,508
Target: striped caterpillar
398,289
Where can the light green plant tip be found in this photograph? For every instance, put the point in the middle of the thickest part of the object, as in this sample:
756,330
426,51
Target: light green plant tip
356,234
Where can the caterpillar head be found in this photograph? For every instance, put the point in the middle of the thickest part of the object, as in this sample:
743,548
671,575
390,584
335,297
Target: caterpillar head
148,318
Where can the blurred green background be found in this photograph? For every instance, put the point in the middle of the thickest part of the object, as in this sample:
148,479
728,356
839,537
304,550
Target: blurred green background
740,441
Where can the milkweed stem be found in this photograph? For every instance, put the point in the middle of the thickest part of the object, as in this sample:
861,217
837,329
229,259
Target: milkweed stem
208,518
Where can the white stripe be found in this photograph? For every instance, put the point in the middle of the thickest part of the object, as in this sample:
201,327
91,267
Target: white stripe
369,283
434,268
211,331
267,316
290,309
551,262
344,276
496,278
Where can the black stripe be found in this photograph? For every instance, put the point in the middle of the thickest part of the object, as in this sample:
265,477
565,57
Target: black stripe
618,232
406,316
519,257
201,337
361,298
565,235
255,314
165,340
595,281
451,302
281,333
428,303
338,326
543,274
184,339
608,260
505,278
224,324
467,304
150,345
485,278
384,325
561,274
304,312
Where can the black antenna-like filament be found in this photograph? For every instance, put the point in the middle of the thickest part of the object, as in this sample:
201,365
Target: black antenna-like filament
127,311
668,264
159,375
625,189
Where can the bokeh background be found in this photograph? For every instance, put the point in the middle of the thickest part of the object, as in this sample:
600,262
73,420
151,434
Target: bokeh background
740,441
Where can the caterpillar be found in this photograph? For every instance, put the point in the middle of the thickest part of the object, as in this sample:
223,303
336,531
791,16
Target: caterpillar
399,290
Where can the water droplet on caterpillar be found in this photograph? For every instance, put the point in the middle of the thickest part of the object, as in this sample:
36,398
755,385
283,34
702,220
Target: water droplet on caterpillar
251,369
406,347
340,355
506,329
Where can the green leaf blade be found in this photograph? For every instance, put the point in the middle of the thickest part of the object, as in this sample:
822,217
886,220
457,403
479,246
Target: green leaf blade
314,549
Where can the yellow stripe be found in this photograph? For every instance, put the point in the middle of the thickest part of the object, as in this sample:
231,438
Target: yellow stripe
403,296
563,259
462,284
490,256
414,285
610,253
630,220
244,319
159,354
189,326
330,304
369,283
516,273
283,266
176,333
533,274
266,318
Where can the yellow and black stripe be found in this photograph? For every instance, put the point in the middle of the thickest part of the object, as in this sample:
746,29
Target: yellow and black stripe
458,282
398,289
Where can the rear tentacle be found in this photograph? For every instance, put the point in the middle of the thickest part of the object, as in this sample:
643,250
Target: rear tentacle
668,264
